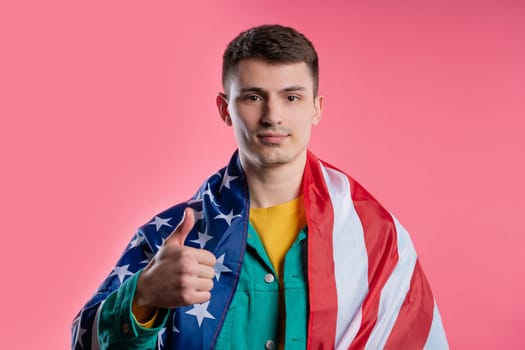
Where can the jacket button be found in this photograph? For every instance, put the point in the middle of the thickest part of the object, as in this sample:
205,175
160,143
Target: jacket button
268,278
270,344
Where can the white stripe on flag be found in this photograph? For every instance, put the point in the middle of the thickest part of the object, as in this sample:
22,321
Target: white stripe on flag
350,258
351,332
437,340
395,290
94,332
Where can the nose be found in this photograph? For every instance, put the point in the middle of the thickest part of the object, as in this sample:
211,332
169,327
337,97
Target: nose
272,114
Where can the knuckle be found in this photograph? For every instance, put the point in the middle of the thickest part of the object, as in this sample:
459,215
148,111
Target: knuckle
205,296
210,273
185,252
185,298
210,256
185,266
208,285
186,281
188,297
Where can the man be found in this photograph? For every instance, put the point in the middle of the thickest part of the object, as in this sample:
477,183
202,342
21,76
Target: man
276,250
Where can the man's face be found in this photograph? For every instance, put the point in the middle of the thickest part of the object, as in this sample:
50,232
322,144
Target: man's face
272,110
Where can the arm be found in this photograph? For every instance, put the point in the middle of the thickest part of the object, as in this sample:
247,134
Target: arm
113,298
175,276
118,328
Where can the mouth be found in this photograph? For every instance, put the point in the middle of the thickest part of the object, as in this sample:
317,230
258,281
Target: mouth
272,137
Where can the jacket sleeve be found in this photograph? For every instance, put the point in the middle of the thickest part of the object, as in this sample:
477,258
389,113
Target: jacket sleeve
106,321
118,329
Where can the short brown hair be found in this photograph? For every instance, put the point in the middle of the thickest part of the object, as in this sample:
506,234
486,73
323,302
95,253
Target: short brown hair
274,44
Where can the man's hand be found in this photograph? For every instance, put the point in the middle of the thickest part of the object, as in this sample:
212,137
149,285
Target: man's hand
176,276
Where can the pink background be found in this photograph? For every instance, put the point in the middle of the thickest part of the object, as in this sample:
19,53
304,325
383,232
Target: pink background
108,116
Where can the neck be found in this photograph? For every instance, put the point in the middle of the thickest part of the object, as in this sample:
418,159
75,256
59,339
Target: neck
269,186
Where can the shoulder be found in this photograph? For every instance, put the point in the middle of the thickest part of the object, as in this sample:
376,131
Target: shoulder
358,214
348,195
162,224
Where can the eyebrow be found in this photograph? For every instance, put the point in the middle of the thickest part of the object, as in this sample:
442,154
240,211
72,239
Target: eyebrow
294,88
252,89
260,90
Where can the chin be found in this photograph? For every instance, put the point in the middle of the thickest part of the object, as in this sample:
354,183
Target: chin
273,160
271,157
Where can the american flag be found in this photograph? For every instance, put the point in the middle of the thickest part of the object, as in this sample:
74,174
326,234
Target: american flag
371,293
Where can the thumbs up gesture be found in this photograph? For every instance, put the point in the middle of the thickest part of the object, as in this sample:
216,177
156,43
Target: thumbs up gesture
176,276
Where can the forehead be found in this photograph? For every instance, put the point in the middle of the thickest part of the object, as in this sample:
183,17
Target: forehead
270,76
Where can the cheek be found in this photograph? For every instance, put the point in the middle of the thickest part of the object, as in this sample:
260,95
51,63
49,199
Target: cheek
301,133
305,130
249,109
241,122
241,129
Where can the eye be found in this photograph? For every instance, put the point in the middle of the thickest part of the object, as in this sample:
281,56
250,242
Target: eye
252,98
292,98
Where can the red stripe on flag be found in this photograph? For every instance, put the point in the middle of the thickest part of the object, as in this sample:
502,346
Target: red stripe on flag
415,317
322,320
381,244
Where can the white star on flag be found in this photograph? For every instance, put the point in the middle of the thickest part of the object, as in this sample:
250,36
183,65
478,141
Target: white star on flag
200,311
228,217
174,329
80,334
121,272
162,241
159,335
220,267
210,195
76,324
159,222
149,256
136,241
203,238
226,180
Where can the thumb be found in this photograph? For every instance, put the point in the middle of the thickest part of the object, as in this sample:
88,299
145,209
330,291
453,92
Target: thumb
179,234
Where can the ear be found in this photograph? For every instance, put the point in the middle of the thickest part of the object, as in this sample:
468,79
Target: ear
222,105
318,109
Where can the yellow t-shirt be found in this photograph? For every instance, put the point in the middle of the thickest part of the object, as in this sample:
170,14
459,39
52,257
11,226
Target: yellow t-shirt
277,227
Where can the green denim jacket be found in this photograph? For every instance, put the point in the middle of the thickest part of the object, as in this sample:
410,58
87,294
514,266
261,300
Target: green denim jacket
252,321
